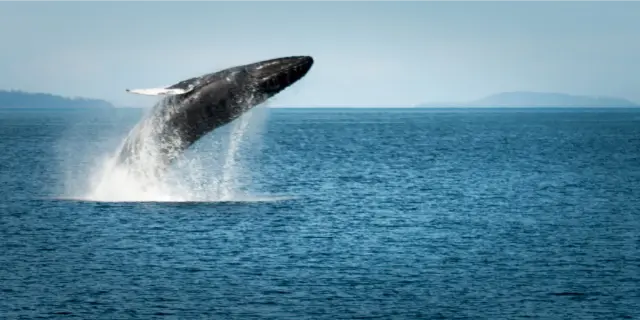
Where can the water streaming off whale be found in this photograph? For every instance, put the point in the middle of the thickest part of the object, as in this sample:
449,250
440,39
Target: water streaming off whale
212,171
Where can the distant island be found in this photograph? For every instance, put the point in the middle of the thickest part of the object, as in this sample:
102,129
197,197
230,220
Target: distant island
538,99
21,99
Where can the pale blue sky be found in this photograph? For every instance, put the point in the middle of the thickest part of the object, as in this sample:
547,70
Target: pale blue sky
366,53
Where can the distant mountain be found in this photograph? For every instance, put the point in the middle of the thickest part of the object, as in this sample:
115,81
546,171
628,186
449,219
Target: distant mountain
20,99
539,99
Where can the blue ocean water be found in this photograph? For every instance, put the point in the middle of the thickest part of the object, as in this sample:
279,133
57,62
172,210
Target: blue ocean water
371,213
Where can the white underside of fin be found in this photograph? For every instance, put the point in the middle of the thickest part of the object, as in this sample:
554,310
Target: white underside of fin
158,91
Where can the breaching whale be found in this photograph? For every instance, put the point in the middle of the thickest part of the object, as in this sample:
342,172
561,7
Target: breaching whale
194,107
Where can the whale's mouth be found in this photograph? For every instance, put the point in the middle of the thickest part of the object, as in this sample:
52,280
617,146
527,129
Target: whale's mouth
272,76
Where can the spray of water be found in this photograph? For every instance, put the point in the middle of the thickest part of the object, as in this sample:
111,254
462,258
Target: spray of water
230,168
212,174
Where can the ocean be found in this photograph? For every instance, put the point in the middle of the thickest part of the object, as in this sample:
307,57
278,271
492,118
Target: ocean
327,214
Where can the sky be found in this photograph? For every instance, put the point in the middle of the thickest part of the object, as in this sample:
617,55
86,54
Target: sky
366,53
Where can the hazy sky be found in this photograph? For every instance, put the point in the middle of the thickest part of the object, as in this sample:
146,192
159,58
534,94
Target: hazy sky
366,53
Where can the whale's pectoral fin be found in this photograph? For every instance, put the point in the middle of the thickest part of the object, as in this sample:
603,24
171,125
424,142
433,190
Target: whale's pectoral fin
166,91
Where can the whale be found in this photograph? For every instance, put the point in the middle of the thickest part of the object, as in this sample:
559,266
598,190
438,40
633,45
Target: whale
192,108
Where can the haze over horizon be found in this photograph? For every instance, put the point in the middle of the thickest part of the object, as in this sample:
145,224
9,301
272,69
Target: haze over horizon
366,53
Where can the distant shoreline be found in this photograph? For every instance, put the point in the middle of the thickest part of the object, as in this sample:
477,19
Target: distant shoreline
522,99
507,100
16,99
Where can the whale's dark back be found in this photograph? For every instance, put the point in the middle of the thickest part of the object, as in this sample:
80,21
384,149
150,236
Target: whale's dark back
213,105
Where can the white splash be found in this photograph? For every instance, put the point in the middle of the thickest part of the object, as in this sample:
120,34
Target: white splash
198,176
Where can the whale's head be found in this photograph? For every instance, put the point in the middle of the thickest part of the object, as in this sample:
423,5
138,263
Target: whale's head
273,76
